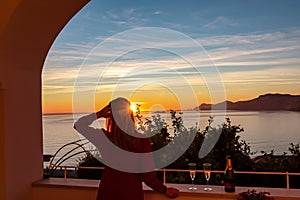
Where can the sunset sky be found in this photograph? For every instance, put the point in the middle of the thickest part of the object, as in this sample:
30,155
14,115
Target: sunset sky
173,54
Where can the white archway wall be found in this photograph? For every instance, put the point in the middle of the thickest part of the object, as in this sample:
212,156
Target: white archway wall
27,31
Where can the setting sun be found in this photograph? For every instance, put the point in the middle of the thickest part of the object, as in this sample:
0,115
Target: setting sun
133,107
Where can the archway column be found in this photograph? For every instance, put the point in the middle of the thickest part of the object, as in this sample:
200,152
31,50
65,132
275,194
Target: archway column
27,33
2,143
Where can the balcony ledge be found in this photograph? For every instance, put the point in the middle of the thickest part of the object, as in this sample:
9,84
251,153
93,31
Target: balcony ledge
217,193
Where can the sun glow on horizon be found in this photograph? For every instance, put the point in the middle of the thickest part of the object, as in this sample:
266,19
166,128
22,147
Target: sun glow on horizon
134,106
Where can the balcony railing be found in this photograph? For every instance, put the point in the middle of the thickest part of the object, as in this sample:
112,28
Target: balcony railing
165,171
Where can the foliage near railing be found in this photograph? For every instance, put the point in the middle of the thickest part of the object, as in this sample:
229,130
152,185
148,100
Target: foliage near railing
89,160
229,143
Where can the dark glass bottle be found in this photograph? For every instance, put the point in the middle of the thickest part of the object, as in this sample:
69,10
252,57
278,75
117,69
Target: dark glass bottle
229,176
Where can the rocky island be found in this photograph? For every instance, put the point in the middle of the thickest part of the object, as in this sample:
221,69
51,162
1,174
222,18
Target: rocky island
263,102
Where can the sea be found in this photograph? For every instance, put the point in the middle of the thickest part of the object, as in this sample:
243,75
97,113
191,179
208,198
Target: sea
263,130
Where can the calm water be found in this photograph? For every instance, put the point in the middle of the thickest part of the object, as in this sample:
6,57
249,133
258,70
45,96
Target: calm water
263,130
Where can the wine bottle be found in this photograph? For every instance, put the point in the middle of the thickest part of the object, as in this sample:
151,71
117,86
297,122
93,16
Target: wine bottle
229,176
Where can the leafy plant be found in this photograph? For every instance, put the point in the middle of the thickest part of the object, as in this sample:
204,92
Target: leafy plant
89,160
294,149
254,195
229,142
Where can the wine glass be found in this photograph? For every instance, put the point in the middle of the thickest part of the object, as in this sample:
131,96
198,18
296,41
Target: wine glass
192,168
207,172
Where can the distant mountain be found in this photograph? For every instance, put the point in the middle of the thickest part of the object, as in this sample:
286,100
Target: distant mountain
263,102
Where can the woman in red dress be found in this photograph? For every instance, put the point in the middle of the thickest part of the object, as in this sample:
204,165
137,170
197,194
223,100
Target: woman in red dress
122,176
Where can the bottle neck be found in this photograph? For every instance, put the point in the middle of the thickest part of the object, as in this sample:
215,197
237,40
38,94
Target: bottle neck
229,165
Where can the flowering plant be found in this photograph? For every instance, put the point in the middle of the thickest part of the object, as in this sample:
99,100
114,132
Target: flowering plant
253,195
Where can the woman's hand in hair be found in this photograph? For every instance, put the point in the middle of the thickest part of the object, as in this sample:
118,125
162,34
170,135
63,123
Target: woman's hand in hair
104,112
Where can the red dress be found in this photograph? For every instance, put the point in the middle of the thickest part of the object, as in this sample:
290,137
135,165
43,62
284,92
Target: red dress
119,185
128,186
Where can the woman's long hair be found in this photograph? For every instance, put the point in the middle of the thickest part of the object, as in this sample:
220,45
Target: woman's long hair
120,125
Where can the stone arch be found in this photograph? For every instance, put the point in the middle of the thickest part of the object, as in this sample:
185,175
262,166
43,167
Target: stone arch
27,31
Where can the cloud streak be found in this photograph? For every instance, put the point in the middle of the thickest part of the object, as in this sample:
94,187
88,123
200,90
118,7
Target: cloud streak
258,58
219,22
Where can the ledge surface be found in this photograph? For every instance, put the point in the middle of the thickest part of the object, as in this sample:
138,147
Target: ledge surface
217,192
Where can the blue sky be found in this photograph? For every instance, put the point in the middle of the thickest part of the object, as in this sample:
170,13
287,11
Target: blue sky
195,18
254,44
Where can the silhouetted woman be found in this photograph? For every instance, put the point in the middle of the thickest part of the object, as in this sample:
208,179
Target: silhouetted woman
122,149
